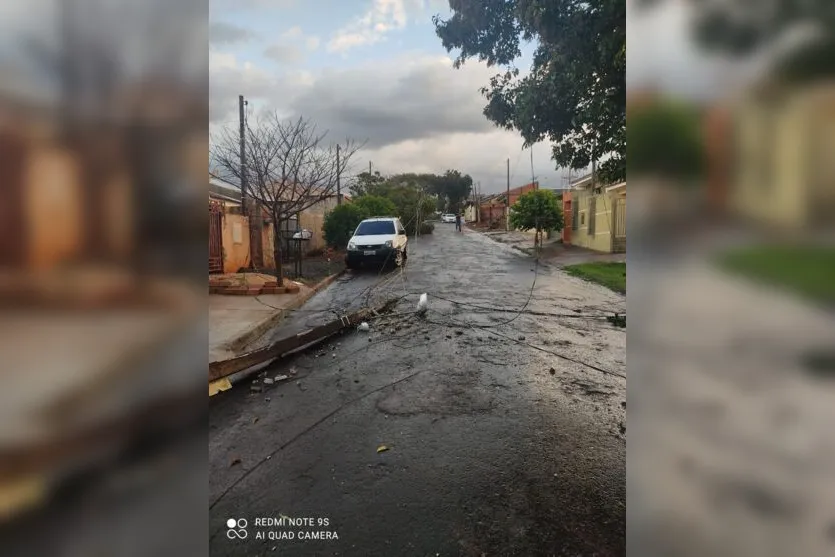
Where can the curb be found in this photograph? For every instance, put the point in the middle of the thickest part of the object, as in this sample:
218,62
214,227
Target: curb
263,326
225,384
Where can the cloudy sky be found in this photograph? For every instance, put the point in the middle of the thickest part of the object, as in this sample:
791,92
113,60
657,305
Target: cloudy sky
372,70
369,69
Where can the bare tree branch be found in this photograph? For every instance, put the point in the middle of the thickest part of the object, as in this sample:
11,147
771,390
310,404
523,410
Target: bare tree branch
289,166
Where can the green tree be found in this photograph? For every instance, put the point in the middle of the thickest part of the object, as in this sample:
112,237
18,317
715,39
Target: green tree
367,183
414,207
665,140
340,224
537,210
453,187
375,206
575,92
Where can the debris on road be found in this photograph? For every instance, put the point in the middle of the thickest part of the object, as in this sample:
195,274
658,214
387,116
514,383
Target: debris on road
364,327
279,378
423,304
268,381
235,462
382,449
552,371
617,320
283,347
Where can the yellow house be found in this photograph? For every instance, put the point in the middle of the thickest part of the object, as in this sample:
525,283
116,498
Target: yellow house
785,168
598,219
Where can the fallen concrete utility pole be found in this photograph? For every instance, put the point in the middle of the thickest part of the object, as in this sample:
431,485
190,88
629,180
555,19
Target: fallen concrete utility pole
225,368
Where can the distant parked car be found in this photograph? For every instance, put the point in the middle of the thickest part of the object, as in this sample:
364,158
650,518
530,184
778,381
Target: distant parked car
449,218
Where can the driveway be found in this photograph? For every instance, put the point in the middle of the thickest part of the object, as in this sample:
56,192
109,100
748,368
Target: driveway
503,429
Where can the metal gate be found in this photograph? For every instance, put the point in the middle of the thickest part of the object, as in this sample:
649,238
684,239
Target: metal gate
215,237
13,236
620,217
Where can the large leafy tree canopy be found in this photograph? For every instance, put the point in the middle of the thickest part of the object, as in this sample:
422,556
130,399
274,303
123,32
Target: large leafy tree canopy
368,183
742,28
575,92
451,188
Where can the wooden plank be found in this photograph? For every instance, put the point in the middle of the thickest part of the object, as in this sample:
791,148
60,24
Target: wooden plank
225,368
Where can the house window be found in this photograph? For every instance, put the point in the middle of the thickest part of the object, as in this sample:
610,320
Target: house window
582,218
575,215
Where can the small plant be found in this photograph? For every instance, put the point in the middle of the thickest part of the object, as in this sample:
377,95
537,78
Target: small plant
427,228
340,224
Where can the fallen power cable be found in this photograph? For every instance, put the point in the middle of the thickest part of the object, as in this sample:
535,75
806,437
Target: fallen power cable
225,368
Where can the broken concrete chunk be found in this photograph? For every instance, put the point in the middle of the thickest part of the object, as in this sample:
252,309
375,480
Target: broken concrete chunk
268,381
280,378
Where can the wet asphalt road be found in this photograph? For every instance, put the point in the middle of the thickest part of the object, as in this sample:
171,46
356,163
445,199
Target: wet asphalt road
489,452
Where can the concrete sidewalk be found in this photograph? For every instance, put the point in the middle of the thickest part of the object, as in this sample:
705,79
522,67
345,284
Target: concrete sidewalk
553,252
236,323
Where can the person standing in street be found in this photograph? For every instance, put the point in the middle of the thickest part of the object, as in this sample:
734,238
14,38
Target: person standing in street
458,221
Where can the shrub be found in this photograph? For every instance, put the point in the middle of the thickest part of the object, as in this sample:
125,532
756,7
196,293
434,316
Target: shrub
427,228
375,206
340,224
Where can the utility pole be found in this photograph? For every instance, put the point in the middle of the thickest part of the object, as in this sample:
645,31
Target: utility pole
369,168
241,116
338,172
478,203
507,201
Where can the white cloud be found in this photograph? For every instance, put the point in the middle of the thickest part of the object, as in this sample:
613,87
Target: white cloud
417,113
284,53
383,17
291,46
252,4
293,33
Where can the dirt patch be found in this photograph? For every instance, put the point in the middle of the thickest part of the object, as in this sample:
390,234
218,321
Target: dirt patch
315,269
